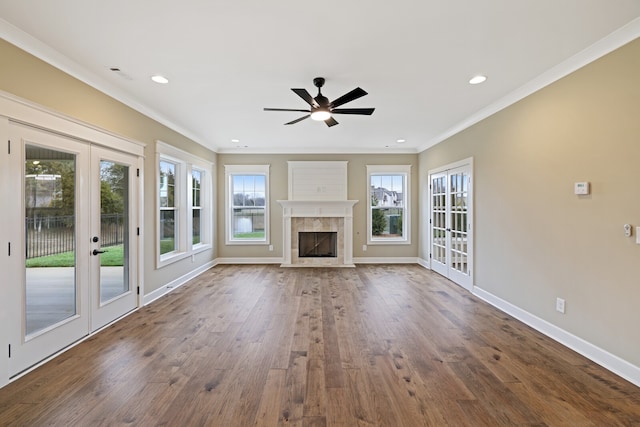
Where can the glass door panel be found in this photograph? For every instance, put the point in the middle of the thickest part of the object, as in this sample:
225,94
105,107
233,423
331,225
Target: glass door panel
450,226
113,243
438,223
50,236
48,273
114,230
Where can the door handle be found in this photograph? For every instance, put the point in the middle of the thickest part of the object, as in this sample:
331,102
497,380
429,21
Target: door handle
97,252
448,229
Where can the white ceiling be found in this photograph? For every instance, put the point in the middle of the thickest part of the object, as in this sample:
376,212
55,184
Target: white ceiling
227,60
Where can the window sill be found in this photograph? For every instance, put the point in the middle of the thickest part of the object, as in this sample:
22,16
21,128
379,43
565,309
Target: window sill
389,242
247,242
170,258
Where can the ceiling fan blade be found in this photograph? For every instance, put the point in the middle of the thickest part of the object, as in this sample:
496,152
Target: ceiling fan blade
298,120
286,109
331,122
302,93
363,111
348,97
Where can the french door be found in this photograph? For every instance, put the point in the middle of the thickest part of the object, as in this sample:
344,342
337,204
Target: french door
74,263
450,223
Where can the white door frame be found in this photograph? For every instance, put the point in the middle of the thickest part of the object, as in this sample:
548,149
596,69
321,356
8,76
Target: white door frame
18,110
104,312
465,280
27,351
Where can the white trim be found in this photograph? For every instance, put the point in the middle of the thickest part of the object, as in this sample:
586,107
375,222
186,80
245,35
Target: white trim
464,280
37,118
176,283
257,260
454,165
362,260
231,170
424,263
405,171
385,260
596,354
611,42
22,111
185,162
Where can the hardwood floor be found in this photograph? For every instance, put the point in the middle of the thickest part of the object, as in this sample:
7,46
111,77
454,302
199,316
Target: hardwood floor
368,346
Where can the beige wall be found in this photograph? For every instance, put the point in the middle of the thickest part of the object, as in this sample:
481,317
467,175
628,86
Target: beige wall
27,77
357,190
534,239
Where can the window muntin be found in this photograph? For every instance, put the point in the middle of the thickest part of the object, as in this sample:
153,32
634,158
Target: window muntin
388,214
247,207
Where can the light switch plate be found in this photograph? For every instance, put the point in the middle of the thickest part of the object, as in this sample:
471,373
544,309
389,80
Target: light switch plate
638,235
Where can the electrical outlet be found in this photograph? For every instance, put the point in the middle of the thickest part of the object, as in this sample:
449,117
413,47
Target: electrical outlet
270,247
560,305
364,248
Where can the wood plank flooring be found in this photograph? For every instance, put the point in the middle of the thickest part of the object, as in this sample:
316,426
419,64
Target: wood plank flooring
380,345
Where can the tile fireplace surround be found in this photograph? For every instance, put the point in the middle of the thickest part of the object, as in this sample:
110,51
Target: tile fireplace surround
336,216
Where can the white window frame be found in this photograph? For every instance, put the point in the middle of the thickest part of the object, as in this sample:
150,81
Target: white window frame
405,171
176,208
229,172
185,164
202,207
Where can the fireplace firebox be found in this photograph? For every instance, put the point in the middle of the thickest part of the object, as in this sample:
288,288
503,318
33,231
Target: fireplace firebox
317,244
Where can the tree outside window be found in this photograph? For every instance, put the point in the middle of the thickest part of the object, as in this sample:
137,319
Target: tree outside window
388,209
168,208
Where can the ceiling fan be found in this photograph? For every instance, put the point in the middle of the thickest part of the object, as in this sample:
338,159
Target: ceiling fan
322,109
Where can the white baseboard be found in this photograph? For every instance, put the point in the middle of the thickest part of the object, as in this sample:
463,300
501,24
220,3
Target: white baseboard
154,295
361,260
258,260
424,263
385,260
602,357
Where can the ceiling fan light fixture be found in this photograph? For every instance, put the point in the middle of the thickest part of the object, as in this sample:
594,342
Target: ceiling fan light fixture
321,114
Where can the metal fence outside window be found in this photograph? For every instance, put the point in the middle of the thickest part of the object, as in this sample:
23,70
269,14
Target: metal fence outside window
50,235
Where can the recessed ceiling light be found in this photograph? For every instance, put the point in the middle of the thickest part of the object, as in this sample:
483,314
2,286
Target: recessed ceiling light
235,140
477,79
401,141
160,79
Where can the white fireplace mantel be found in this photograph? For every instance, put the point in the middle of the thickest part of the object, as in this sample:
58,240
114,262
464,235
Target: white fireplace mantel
318,209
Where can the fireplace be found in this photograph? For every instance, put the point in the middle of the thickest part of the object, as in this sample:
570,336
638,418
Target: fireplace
334,217
317,209
317,244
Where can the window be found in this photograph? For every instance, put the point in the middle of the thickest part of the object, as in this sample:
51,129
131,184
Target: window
196,206
388,217
168,209
185,207
247,204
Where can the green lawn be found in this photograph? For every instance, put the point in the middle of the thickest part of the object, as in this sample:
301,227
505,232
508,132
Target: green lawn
113,257
250,235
